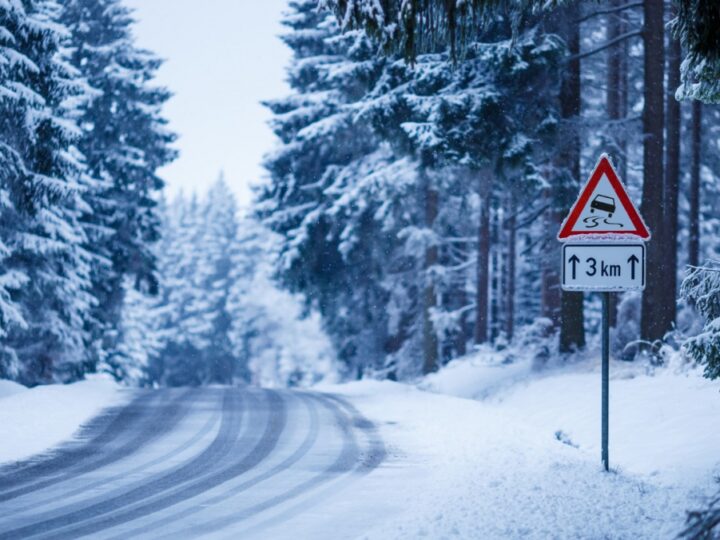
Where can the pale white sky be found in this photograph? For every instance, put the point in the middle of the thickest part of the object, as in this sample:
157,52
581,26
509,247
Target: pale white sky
222,58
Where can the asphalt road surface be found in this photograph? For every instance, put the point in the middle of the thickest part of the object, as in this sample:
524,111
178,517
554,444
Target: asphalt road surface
189,463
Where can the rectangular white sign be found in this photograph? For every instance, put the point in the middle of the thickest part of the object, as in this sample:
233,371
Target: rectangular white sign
603,267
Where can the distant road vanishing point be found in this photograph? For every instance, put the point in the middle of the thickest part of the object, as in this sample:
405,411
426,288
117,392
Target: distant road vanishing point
186,463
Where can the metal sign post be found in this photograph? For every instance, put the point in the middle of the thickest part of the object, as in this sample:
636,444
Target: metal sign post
604,252
605,379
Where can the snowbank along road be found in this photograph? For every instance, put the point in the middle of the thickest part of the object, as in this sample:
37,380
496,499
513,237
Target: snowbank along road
185,463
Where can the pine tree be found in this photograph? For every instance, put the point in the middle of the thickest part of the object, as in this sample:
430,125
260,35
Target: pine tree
694,195
12,172
696,26
218,240
320,136
671,184
184,305
472,118
572,330
45,182
370,220
125,140
138,338
701,287
274,341
218,317
656,311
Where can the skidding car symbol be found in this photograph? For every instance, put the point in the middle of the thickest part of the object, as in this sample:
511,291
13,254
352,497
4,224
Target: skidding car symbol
601,202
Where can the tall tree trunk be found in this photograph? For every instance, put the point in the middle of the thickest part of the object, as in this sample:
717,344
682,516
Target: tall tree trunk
430,341
483,259
496,283
461,336
614,95
672,180
694,196
654,319
613,92
510,268
624,53
550,255
572,329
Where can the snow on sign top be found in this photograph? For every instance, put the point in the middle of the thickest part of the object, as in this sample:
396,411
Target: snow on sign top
603,209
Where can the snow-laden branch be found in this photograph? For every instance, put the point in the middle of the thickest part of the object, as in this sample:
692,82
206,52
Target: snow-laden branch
607,45
459,240
703,268
608,11
528,221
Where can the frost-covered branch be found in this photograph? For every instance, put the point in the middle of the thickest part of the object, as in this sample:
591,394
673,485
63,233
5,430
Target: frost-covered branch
609,11
606,45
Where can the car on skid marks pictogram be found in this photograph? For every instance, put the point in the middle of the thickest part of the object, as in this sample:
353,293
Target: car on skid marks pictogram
601,202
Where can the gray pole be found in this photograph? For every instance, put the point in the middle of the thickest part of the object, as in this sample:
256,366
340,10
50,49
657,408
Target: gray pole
605,377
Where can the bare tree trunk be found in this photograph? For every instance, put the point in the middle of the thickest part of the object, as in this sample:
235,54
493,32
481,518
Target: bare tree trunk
496,269
654,320
672,181
614,96
430,342
483,260
461,336
572,329
510,270
550,285
47,370
624,52
694,196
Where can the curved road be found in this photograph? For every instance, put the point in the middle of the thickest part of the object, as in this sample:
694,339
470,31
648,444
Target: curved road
187,463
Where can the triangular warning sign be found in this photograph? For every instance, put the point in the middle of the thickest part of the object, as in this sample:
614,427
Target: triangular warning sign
604,209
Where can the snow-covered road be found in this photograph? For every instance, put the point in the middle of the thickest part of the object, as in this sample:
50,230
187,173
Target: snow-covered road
219,462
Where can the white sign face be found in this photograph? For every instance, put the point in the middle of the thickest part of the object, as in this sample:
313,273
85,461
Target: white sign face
603,267
605,213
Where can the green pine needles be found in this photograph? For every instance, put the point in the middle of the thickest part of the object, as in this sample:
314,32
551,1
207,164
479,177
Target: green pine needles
701,287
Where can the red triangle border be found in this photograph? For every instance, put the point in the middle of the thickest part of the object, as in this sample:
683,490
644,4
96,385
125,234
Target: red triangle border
603,167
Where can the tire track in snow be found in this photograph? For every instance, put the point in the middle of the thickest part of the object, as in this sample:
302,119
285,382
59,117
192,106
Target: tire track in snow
196,438
229,429
171,412
348,460
376,452
274,426
304,448
371,459
115,421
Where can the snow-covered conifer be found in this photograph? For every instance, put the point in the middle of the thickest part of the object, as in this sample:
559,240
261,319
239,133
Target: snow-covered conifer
330,72
701,287
45,184
125,140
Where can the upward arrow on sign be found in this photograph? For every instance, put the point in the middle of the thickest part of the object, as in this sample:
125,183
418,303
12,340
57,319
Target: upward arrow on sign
633,260
604,209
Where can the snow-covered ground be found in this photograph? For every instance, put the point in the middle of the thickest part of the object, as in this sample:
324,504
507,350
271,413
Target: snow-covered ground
33,420
523,461
661,419
483,449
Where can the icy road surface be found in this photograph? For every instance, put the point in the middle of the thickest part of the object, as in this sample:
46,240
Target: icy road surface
187,463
